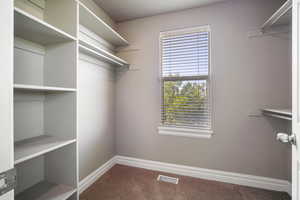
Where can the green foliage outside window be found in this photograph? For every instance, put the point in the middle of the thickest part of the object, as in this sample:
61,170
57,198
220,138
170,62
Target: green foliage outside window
184,102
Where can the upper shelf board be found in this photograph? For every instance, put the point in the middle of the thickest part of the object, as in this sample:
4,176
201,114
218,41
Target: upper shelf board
93,47
91,21
33,29
278,113
42,88
282,17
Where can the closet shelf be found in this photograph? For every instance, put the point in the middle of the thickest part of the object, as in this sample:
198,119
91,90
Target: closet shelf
101,56
37,146
278,113
37,88
282,17
91,21
31,28
103,52
47,191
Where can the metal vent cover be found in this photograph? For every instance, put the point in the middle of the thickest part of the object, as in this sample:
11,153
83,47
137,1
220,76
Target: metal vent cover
167,179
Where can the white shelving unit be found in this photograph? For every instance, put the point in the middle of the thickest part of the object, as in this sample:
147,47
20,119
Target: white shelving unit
91,21
45,67
42,88
285,114
30,148
45,92
31,28
92,49
47,191
282,17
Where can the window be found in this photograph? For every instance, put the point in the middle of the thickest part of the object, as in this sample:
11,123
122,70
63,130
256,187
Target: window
185,78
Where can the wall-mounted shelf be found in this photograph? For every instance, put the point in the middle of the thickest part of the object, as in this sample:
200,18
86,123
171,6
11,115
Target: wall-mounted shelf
47,191
37,146
31,28
103,52
91,21
101,56
282,17
36,88
278,113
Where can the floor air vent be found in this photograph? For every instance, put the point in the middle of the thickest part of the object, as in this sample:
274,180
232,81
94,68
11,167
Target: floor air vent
167,179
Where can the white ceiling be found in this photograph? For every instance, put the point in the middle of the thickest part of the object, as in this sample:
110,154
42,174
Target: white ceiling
122,10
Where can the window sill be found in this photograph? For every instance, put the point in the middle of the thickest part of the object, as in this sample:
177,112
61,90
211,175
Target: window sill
185,132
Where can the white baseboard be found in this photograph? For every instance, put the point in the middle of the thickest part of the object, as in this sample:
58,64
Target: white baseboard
208,174
94,176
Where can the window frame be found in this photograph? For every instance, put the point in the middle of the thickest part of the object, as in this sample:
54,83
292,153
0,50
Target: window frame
186,131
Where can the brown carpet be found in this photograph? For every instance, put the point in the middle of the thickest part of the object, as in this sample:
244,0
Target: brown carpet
128,183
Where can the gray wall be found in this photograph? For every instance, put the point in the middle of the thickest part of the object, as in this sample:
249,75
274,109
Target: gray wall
248,74
96,94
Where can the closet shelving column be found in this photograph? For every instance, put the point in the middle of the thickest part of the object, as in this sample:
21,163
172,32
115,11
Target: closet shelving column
97,43
279,22
45,63
97,39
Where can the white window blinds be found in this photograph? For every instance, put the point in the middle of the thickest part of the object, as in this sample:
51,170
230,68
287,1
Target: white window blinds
185,70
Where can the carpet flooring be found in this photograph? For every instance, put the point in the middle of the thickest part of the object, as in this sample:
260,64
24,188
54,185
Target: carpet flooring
129,183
